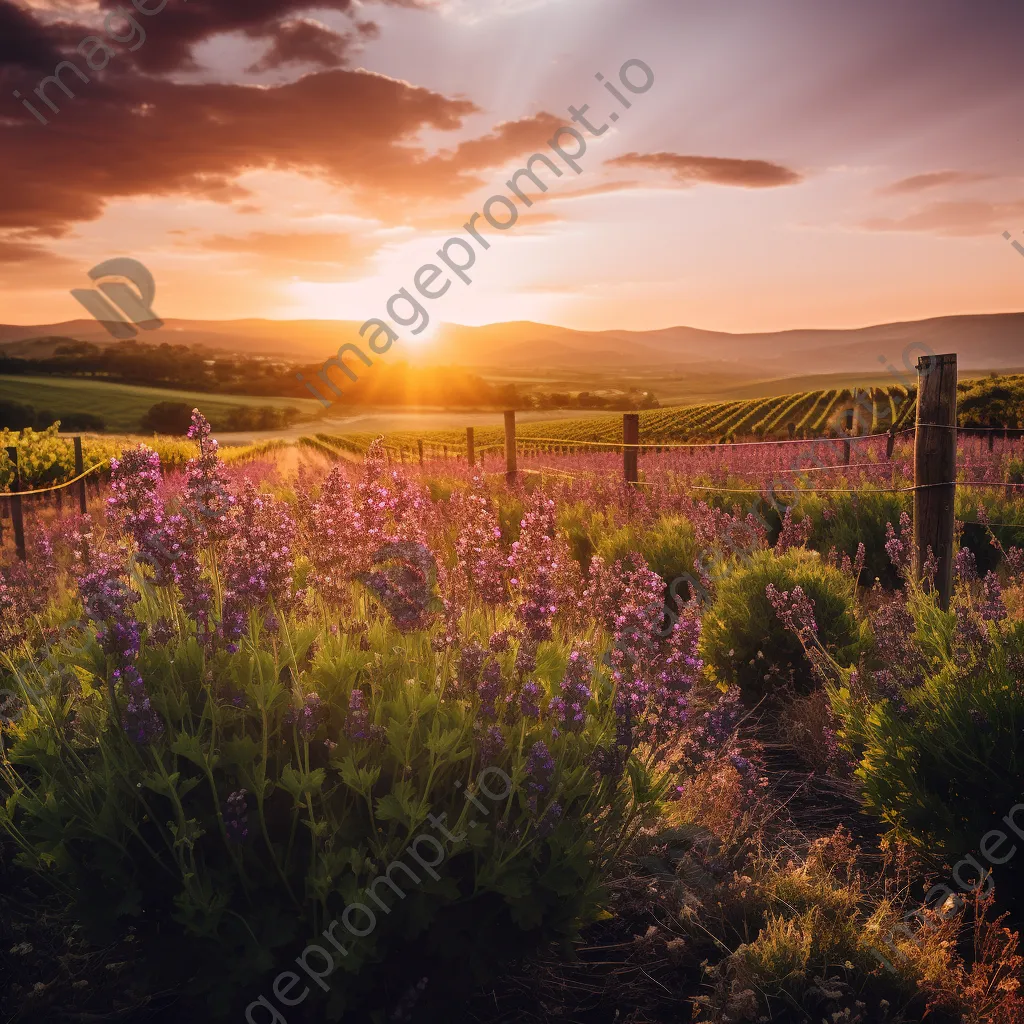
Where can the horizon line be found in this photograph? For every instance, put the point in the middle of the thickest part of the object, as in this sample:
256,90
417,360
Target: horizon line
538,323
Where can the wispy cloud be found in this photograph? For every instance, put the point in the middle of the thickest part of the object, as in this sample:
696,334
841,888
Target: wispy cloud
967,218
932,179
713,170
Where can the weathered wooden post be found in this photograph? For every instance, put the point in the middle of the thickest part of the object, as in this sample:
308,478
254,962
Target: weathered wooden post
510,446
847,433
469,445
419,445
17,518
935,469
631,446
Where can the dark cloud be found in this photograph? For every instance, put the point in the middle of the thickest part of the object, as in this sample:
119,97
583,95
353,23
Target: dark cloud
144,136
714,170
304,41
140,136
133,132
30,41
24,42
933,179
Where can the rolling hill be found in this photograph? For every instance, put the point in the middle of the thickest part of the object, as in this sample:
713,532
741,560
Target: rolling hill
984,342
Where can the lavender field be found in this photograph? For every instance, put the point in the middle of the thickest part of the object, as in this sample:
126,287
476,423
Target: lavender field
367,740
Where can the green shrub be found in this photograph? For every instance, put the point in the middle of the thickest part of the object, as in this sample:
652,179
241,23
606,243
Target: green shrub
745,643
842,521
668,546
943,762
817,939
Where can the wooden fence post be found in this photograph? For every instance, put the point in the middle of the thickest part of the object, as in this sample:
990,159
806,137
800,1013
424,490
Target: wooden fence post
935,469
469,445
510,446
17,518
419,445
848,433
630,446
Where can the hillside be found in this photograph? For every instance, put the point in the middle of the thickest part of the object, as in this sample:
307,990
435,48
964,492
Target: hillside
122,406
984,342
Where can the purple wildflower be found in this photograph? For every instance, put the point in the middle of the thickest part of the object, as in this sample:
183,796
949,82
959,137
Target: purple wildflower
540,767
236,816
529,700
308,716
140,718
571,705
795,610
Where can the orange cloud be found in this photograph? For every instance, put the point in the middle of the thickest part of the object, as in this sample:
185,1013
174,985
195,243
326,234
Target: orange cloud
933,179
713,170
509,139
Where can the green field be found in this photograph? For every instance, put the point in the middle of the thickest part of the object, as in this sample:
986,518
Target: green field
122,406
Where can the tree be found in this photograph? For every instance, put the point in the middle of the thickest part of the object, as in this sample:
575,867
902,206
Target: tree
167,418
16,415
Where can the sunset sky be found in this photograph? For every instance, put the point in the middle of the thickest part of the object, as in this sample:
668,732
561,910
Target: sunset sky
796,163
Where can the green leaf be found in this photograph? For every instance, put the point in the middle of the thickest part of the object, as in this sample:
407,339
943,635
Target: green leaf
362,780
191,748
301,784
158,784
389,808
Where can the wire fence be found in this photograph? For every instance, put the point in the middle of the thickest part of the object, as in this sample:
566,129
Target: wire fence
987,458
728,465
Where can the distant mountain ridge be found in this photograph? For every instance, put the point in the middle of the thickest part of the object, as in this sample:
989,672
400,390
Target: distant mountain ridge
991,341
